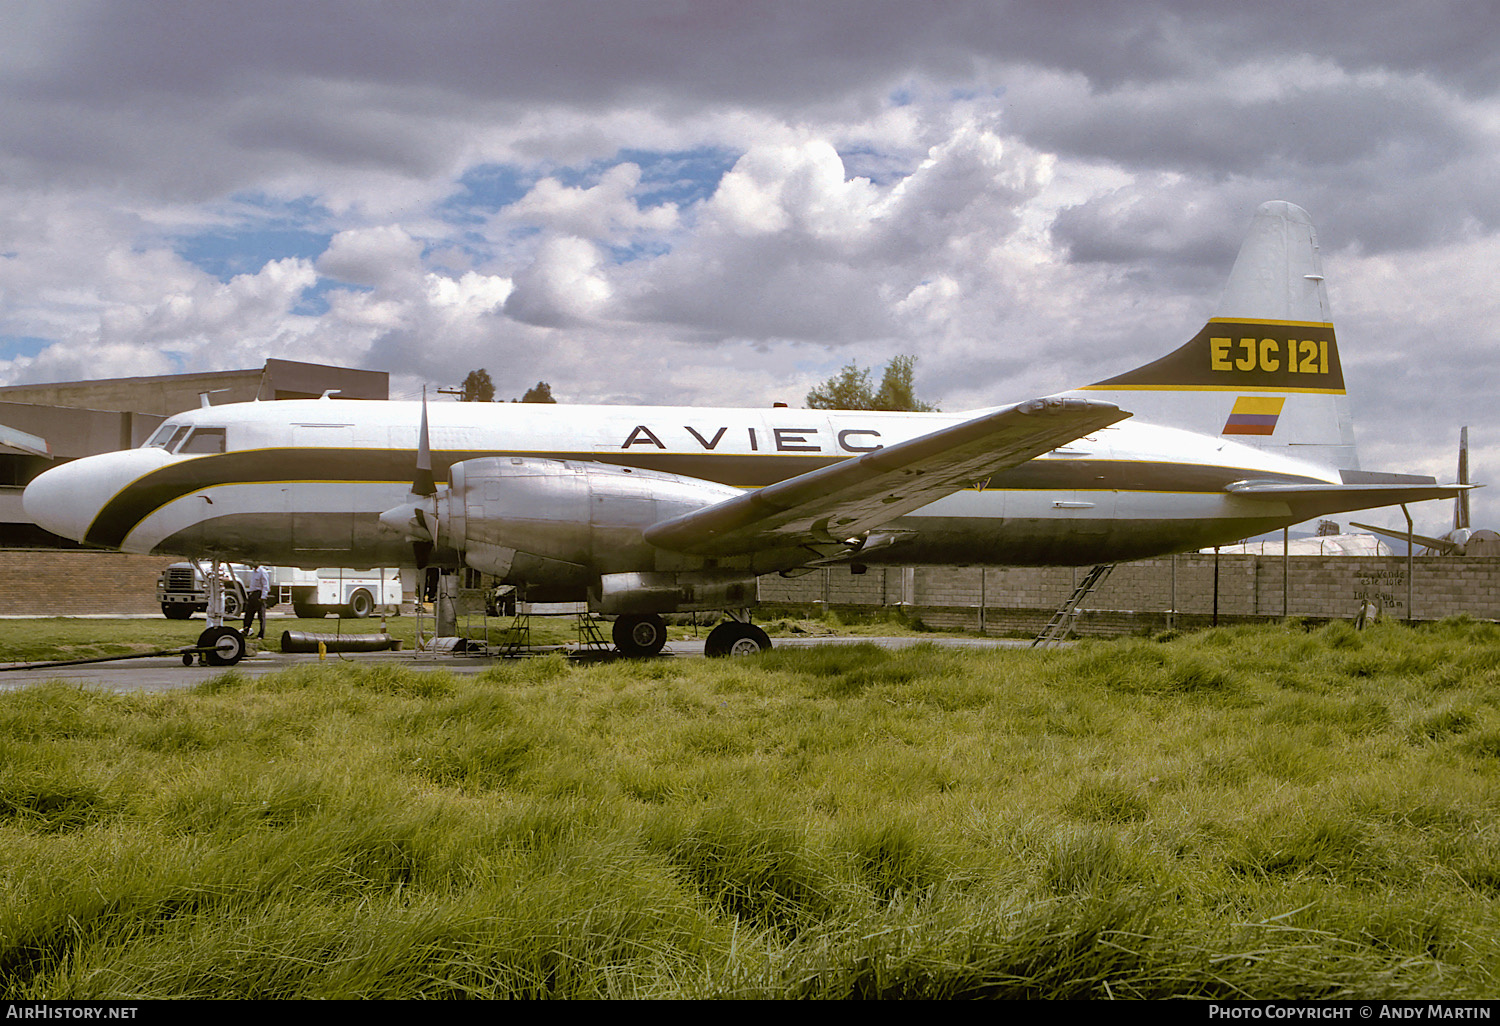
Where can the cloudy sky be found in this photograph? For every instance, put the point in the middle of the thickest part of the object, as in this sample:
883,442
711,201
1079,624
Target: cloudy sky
722,202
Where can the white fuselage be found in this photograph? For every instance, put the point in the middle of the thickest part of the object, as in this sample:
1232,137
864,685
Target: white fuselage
303,482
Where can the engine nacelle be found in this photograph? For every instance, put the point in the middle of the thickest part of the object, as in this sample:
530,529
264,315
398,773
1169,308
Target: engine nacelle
526,518
683,592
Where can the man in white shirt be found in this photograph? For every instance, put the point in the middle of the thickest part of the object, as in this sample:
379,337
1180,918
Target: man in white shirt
256,590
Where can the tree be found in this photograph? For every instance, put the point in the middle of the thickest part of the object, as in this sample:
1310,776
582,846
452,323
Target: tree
542,393
850,389
478,388
897,391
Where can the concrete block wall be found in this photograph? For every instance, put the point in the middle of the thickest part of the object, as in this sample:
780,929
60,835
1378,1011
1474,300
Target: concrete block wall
1143,593
54,582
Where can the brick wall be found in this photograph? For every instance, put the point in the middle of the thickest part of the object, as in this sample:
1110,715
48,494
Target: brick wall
61,582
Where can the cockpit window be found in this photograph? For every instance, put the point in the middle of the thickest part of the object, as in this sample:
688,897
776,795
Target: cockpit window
163,436
202,441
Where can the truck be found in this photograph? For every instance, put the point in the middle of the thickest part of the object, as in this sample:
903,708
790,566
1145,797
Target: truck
349,593
182,591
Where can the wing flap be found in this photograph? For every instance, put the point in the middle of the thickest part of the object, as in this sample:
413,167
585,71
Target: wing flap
842,501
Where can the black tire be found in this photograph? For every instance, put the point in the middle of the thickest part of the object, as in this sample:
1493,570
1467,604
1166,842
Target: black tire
176,610
638,636
225,646
733,638
307,611
361,604
234,604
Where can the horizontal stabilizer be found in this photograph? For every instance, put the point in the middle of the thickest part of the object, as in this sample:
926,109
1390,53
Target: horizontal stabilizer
1314,500
838,504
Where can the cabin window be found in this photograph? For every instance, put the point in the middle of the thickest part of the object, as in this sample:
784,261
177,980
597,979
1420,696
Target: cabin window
203,441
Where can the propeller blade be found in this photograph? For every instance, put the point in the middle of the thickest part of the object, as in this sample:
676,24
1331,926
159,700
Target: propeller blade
410,519
423,484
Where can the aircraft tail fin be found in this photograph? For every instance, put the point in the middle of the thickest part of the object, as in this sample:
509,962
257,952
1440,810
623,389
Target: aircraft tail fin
1461,504
1265,369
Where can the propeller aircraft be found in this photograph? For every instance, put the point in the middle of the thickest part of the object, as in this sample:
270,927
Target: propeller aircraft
643,511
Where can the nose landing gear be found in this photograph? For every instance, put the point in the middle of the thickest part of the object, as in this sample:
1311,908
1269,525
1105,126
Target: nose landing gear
218,646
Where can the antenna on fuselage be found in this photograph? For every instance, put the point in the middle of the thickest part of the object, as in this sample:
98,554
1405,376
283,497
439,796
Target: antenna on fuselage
203,402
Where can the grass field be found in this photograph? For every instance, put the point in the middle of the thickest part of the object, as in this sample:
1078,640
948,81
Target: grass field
1254,812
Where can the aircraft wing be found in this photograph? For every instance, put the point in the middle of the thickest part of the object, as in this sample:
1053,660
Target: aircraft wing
1313,500
841,502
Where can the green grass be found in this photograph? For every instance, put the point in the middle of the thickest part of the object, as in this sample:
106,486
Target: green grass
61,638
1244,813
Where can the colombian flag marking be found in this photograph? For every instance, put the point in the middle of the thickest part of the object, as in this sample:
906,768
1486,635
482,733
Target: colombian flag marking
1253,415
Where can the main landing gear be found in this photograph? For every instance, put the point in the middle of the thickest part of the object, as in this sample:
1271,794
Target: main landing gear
637,636
736,638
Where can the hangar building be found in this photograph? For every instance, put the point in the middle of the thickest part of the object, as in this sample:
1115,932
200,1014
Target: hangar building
43,424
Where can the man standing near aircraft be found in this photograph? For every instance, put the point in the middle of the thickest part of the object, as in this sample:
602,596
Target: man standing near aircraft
255,598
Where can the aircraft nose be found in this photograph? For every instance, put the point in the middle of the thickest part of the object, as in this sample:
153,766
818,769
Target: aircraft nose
66,499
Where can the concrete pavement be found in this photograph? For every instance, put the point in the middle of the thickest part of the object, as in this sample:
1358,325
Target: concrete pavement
167,673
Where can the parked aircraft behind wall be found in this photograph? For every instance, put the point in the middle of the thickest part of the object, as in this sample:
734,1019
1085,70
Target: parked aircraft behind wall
1462,540
648,510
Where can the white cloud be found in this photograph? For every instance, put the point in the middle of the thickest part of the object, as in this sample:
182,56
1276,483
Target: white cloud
604,211
563,286
381,256
1022,198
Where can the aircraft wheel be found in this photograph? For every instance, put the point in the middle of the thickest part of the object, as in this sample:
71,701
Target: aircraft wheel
361,604
225,646
637,636
733,638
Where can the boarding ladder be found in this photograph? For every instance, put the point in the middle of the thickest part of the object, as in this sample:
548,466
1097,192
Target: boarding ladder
1066,615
